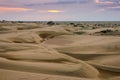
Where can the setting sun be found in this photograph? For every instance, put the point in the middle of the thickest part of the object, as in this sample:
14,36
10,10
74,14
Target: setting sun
54,11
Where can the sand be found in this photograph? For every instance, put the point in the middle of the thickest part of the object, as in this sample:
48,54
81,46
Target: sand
57,53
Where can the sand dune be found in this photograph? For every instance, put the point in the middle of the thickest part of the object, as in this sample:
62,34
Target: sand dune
34,76
43,52
6,47
31,60
69,69
84,45
111,63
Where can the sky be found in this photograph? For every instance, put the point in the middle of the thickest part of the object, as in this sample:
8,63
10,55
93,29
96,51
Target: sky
60,10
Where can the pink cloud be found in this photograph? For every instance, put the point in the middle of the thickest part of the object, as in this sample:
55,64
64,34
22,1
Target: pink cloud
103,2
97,1
12,9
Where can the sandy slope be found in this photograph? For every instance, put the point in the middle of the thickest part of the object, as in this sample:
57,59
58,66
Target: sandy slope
55,53
19,75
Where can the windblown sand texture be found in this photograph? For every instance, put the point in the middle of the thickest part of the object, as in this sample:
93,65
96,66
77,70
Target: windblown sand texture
31,51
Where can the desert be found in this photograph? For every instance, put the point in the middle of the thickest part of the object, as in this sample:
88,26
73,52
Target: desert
59,50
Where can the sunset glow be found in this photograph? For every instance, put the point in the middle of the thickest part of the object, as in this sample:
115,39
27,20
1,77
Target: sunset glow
60,10
13,9
97,1
54,11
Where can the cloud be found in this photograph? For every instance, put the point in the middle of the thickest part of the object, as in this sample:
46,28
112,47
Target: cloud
23,3
100,2
71,1
10,9
108,5
39,2
97,1
54,11
117,8
58,2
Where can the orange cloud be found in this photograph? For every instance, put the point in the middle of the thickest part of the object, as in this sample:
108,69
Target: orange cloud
13,9
54,11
